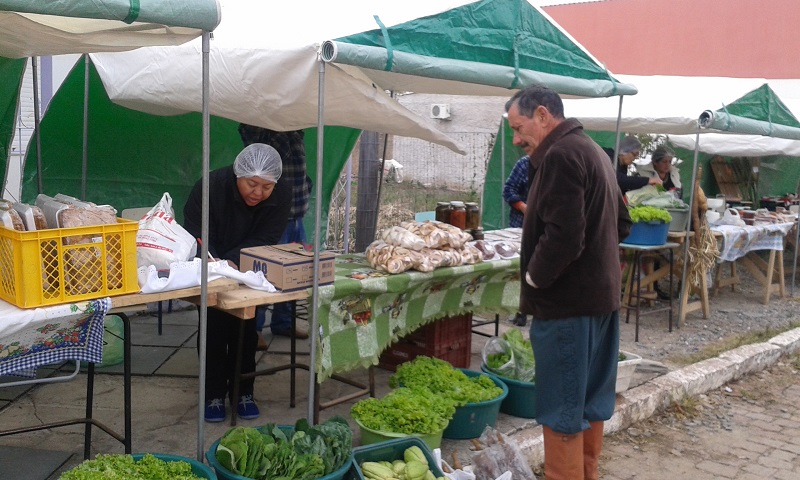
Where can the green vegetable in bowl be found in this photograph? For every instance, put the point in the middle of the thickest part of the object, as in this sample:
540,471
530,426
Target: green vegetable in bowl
404,410
649,214
440,378
124,467
304,453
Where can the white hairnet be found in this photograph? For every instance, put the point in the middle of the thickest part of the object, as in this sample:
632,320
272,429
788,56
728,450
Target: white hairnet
258,160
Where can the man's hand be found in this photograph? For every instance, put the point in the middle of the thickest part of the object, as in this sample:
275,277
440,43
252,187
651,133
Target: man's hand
521,206
655,181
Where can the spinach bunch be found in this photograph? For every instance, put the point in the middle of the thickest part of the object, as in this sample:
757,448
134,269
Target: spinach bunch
271,452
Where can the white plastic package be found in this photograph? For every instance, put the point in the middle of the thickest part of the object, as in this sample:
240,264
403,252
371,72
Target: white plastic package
161,240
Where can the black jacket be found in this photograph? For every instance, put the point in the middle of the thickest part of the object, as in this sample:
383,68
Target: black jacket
232,224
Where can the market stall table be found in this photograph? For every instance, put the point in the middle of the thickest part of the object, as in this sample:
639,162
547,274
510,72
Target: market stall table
364,311
34,337
740,244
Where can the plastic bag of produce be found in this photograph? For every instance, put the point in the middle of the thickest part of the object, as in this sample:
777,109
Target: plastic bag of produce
161,240
499,357
501,459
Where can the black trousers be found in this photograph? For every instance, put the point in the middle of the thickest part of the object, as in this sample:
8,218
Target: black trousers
222,337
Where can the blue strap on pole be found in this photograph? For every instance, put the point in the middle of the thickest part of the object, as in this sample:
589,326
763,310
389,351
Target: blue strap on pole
387,42
133,12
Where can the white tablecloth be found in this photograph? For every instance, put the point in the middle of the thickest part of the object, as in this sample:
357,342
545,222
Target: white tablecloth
739,241
33,337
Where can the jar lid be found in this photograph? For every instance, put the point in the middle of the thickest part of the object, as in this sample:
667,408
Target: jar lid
457,204
471,204
442,204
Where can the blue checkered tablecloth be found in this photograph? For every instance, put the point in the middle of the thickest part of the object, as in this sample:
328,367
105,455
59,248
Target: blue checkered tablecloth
30,338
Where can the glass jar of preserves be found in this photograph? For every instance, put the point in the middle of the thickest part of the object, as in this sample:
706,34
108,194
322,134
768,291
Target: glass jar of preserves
473,215
458,215
477,233
442,212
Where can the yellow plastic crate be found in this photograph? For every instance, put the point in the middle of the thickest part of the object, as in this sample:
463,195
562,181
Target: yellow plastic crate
61,265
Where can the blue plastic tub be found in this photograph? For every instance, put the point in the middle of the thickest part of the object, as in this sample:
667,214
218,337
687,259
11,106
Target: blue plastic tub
470,419
521,398
225,474
648,233
391,450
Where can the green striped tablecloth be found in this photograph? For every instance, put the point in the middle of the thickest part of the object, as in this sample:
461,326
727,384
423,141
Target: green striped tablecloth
365,310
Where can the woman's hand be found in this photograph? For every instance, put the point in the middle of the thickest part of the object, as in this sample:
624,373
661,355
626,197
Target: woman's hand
655,181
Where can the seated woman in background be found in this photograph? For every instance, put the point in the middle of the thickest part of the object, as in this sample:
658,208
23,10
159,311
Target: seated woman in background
662,168
629,150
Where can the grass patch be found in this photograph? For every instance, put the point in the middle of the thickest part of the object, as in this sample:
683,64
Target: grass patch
716,348
685,408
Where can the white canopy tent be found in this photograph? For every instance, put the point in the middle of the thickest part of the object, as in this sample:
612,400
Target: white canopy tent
73,26
264,70
671,105
675,106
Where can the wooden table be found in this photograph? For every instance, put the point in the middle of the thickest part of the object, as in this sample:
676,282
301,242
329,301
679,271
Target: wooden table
769,273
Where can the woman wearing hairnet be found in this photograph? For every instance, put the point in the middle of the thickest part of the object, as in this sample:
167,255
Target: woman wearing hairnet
248,207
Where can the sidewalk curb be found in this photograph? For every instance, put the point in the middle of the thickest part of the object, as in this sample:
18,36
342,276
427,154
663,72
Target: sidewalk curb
643,401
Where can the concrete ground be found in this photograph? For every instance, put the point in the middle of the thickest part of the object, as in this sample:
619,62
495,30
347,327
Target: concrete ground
165,415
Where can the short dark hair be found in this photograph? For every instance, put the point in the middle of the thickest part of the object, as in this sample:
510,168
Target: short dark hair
529,98
662,152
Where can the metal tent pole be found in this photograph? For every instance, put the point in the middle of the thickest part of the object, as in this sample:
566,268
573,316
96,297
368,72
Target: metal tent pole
312,367
685,270
617,135
503,213
796,240
37,123
348,183
201,391
85,154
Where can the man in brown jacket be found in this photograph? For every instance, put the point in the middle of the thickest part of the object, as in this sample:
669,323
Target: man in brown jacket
570,268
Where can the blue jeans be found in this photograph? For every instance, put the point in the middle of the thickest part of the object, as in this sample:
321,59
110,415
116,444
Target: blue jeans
282,312
576,370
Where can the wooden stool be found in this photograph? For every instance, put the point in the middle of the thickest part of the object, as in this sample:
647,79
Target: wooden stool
634,296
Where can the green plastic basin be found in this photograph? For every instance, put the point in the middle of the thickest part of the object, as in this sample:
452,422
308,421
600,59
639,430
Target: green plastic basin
470,419
521,398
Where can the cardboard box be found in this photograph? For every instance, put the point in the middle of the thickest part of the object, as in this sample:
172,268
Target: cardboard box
289,267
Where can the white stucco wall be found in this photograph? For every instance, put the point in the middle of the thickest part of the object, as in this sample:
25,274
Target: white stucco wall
473,122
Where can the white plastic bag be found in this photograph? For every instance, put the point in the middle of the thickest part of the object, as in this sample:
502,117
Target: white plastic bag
161,240
731,217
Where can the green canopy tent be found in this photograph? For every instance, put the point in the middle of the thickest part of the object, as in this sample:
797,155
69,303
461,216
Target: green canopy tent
489,47
30,29
135,142
759,112
75,26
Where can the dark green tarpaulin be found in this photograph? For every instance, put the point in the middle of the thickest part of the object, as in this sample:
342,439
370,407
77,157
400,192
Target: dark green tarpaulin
200,14
500,43
759,112
11,73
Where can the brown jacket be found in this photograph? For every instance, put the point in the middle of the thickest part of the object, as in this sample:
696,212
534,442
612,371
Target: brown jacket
573,225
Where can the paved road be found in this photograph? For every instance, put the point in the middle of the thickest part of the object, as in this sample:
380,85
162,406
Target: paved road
746,430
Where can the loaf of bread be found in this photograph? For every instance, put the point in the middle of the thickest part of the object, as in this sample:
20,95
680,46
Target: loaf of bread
32,216
10,218
83,269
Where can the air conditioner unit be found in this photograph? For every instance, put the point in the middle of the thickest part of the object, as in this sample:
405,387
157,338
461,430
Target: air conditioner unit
440,111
